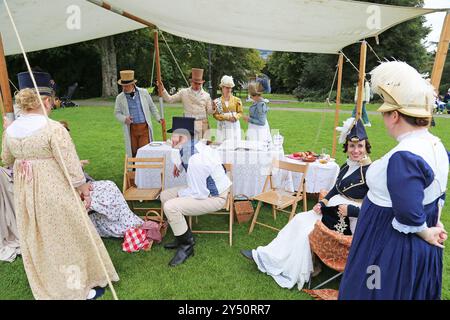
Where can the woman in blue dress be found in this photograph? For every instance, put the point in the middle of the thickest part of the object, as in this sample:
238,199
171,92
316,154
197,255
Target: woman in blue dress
397,248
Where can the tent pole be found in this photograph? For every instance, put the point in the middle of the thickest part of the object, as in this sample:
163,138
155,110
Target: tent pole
158,77
2,108
441,54
5,96
362,76
338,102
121,12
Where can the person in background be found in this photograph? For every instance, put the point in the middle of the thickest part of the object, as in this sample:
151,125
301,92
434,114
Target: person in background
440,105
109,211
446,100
366,99
9,235
132,109
228,112
54,87
258,126
196,102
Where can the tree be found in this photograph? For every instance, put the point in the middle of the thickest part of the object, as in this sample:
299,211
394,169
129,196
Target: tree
285,70
107,51
68,64
135,51
312,74
240,63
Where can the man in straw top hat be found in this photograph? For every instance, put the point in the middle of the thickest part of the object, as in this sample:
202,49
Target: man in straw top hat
206,190
132,109
196,102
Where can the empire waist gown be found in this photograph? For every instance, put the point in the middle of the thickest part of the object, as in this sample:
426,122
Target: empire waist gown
59,258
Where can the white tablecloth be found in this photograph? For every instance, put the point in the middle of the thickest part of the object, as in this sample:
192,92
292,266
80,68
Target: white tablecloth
319,176
250,169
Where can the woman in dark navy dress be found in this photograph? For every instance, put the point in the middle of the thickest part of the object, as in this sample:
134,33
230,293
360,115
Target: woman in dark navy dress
396,251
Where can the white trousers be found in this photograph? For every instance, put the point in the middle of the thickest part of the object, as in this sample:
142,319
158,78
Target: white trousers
175,208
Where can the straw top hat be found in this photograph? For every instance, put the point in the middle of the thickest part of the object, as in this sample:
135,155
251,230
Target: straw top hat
126,77
255,88
403,89
197,75
226,81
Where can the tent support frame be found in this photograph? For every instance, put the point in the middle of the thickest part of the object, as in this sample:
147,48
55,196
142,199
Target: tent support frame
338,102
441,53
362,76
6,103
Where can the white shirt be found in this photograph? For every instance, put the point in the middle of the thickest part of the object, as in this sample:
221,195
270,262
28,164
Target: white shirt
201,165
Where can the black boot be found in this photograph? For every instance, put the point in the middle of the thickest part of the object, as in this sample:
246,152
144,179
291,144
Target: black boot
174,244
171,245
185,248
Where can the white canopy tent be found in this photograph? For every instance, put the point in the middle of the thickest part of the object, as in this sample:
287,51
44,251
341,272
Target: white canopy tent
315,26
318,26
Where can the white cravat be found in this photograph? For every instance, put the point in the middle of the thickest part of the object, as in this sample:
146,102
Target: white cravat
352,167
196,93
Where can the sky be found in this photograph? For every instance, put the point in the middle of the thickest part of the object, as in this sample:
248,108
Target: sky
435,20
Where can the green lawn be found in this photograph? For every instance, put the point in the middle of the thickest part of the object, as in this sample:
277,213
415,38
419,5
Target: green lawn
270,96
217,271
276,101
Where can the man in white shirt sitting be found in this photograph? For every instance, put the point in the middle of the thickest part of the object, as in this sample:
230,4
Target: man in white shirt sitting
206,190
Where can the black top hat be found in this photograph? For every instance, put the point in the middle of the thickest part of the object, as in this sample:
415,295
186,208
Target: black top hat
358,132
182,123
42,82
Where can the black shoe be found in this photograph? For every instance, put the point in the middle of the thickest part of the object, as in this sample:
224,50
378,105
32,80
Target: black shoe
99,291
248,254
185,248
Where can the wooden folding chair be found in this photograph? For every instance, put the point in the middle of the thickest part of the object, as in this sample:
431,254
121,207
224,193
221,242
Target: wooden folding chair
227,210
280,199
131,193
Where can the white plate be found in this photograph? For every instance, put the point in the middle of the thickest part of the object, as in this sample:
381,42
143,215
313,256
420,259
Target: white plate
155,144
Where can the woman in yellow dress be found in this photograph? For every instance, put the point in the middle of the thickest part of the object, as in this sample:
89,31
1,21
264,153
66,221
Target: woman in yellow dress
228,112
59,257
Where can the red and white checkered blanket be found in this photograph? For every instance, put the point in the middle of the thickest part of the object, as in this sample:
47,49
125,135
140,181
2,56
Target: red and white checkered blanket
135,239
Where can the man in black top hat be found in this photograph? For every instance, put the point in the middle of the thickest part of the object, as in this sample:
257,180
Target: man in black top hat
206,190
